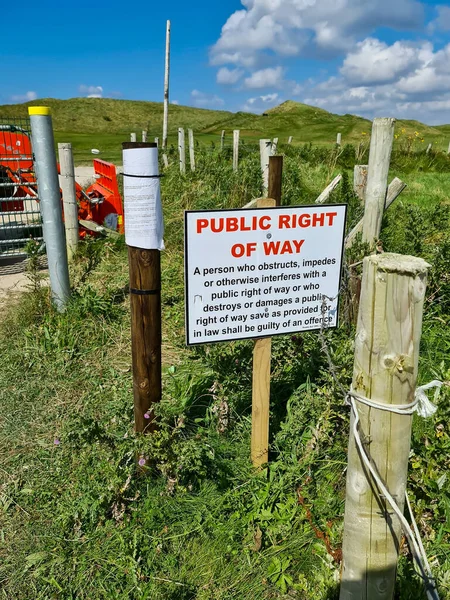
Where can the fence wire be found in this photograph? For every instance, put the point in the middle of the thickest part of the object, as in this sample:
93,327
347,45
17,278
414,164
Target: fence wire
20,216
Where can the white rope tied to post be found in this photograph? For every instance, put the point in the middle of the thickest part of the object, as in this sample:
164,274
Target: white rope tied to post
424,408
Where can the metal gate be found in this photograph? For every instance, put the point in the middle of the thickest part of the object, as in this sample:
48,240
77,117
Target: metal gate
20,216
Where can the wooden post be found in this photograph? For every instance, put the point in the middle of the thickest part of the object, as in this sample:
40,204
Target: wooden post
377,176
290,139
144,136
235,149
275,178
265,151
360,180
166,88
145,300
448,151
165,161
429,148
274,147
182,150
67,181
157,142
222,140
339,139
132,137
145,305
191,149
394,190
262,352
385,370
327,191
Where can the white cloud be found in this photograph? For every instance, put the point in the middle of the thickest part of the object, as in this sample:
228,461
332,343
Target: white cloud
27,97
292,27
227,76
91,91
174,102
442,22
203,100
259,104
264,78
376,62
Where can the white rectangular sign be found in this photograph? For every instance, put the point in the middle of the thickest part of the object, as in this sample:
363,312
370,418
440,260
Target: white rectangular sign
254,273
144,227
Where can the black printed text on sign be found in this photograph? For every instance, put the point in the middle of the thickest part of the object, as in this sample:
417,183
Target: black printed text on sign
262,272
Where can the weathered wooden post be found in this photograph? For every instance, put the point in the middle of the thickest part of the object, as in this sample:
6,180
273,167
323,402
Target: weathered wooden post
385,371
166,88
143,235
144,136
157,142
377,177
265,151
360,180
262,352
132,137
222,140
182,150
448,151
236,149
67,180
339,139
327,191
191,149
290,139
274,147
430,146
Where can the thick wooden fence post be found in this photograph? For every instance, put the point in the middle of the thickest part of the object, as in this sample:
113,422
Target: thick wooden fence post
132,137
290,139
360,180
222,140
145,288
144,136
274,147
265,151
262,352
191,149
236,149
377,177
385,371
67,176
339,139
182,150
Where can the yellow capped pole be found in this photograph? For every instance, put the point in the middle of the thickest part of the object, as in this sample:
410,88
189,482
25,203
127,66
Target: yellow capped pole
50,203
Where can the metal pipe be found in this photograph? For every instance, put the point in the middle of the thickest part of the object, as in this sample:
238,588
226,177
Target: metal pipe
50,203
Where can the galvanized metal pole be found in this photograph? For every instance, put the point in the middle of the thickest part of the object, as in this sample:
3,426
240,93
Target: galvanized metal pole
50,203
166,88
67,173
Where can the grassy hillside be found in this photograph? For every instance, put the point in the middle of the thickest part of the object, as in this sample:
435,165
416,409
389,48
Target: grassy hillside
104,123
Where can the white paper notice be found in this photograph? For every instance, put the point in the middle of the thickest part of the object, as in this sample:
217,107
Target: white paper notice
144,227
262,272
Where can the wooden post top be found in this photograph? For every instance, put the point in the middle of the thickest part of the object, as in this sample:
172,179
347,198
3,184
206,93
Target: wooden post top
399,263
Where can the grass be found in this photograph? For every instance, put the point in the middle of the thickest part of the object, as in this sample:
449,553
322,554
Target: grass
75,520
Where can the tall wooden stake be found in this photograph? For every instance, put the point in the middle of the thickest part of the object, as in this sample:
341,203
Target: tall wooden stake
132,137
166,88
385,370
339,139
262,352
144,135
222,140
236,149
182,150
377,178
265,151
145,300
191,149
67,177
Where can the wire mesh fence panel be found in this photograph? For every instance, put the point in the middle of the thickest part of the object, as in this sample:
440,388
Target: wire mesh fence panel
20,216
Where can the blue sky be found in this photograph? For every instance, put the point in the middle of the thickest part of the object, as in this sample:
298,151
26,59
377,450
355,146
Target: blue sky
368,57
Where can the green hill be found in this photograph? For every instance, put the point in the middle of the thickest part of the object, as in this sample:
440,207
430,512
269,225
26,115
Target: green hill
104,123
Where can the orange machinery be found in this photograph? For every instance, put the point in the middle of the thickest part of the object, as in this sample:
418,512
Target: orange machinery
101,202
